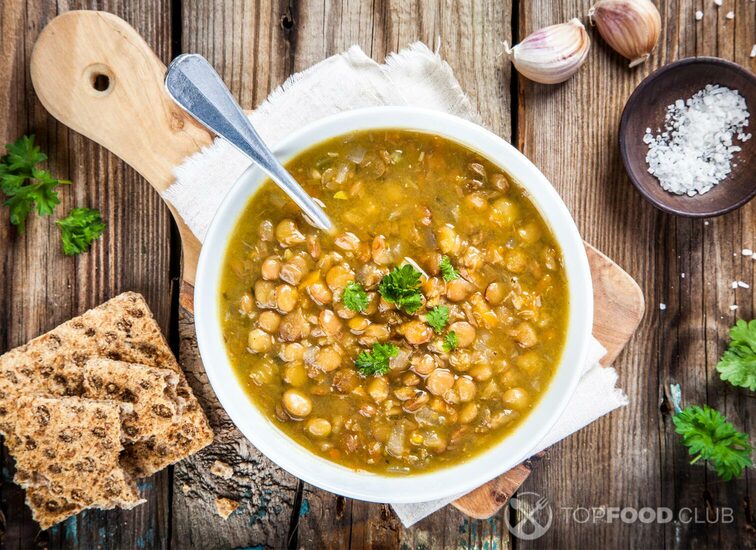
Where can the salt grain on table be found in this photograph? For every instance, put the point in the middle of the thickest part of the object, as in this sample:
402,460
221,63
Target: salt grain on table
694,151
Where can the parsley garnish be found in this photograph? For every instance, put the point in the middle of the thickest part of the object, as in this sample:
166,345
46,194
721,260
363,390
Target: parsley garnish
709,436
738,364
80,229
450,341
25,185
438,318
355,297
447,269
377,360
402,287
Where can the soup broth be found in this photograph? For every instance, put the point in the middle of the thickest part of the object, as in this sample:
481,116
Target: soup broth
422,331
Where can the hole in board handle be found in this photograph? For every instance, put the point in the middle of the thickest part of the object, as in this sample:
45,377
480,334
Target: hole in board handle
100,79
101,82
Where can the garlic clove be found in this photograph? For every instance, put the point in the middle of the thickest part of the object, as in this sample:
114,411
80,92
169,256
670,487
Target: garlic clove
630,27
552,54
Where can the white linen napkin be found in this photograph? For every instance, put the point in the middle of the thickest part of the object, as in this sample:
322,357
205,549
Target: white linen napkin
415,76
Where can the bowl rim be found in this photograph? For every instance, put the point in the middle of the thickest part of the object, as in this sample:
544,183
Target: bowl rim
627,112
438,483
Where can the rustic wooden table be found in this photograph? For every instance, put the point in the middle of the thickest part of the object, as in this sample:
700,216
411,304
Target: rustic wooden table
629,459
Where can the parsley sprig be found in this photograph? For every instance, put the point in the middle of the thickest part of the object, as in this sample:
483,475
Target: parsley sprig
738,364
709,436
447,269
450,341
80,229
376,361
402,287
438,318
28,187
355,297
24,184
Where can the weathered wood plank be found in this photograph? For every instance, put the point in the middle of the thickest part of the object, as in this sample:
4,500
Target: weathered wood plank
249,46
289,38
42,288
468,35
633,455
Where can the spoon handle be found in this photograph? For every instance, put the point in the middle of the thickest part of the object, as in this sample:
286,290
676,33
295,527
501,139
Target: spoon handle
194,85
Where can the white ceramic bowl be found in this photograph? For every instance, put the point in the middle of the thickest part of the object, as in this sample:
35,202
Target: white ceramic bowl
330,476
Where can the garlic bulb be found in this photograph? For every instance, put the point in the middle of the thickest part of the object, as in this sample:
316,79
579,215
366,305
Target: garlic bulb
552,54
631,27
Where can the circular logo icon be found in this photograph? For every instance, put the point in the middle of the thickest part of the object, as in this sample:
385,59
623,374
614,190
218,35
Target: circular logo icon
532,516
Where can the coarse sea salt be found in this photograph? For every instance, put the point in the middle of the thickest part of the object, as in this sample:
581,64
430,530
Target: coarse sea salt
694,151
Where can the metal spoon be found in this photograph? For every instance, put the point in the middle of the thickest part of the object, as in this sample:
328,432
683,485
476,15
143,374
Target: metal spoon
195,86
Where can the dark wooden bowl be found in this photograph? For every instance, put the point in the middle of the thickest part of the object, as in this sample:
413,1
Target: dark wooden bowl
646,109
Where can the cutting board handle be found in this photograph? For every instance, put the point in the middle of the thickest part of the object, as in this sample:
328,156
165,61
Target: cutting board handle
93,72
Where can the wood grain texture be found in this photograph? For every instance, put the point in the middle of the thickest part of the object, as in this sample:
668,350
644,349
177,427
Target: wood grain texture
633,458
132,117
42,288
246,43
255,46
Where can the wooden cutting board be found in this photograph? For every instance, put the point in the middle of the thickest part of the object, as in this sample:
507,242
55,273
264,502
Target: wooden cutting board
93,72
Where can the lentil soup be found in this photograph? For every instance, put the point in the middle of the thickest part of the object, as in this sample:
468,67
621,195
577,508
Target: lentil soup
417,335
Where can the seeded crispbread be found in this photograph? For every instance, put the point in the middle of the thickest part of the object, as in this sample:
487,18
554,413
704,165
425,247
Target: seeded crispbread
149,390
121,329
186,436
67,452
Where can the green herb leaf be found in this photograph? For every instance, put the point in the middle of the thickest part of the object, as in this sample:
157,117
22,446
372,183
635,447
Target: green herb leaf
738,364
450,341
402,287
709,436
25,185
438,318
23,155
376,361
447,269
80,229
355,297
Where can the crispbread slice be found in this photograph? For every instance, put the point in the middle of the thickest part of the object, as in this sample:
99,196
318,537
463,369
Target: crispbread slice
185,437
150,391
121,329
48,508
67,453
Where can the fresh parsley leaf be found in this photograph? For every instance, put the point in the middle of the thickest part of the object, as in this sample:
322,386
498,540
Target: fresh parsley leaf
709,436
25,185
23,155
377,360
450,341
80,229
438,318
402,287
355,297
447,269
738,364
